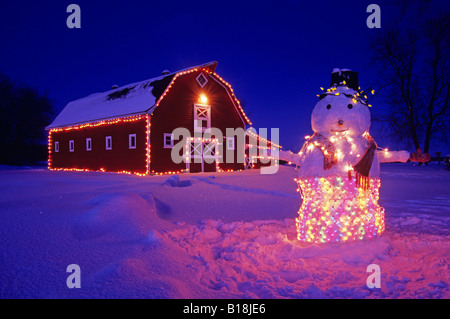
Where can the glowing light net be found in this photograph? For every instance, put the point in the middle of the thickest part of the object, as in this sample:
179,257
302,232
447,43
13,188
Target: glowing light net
334,209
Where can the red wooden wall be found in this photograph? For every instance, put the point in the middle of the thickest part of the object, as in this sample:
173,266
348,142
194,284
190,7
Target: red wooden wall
119,158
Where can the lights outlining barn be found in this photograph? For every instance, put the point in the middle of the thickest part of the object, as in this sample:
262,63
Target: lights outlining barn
129,129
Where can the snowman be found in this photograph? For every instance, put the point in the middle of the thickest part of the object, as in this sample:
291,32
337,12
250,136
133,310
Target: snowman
339,167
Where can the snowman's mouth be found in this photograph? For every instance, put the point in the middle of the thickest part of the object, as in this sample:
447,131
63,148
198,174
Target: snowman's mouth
338,131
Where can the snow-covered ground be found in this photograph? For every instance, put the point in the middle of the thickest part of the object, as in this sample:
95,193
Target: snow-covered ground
221,235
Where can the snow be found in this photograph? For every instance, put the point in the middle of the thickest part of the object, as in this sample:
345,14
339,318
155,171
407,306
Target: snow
97,106
212,235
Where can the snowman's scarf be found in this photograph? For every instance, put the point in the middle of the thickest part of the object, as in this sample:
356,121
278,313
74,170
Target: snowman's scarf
329,151
362,168
330,159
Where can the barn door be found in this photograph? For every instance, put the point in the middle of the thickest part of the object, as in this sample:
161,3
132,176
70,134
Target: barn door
203,156
209,156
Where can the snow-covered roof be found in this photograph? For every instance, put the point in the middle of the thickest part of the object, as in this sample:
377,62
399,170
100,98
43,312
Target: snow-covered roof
131,99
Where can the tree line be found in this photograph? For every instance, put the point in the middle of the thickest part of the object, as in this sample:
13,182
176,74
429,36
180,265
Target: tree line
24,114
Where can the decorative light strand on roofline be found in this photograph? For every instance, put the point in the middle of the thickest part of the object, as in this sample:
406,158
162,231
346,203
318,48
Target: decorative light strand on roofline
99,123
209,72
234,95
171,84
262,138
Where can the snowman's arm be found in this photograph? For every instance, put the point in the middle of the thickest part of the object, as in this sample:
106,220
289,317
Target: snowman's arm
393,156
288,156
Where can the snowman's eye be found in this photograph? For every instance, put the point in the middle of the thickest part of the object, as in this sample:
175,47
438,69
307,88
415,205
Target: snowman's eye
350,106
329,106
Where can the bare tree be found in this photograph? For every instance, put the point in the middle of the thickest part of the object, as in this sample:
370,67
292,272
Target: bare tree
413,65
438,89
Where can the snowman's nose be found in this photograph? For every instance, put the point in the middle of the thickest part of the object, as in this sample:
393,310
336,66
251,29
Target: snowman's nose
340,122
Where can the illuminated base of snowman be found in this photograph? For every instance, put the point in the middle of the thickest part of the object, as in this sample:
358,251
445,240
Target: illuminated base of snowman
334,209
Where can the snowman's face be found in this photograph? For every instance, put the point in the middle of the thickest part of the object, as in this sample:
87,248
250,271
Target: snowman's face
340,115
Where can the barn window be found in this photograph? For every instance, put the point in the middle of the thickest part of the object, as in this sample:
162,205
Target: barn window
202,117
202,80
88,144
132,141
71,146
108,142
56,147
230,143
168,140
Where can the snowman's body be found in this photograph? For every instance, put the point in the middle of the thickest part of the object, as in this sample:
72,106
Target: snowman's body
336,207
339,172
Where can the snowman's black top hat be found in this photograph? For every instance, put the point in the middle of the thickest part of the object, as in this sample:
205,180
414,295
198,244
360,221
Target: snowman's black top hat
345,77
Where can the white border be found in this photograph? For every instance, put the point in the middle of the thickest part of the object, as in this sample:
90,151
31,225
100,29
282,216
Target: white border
110,143
204,76
165,141
208,120
130,146
88,144
231,147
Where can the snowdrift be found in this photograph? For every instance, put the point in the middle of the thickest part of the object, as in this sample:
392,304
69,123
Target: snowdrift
220,235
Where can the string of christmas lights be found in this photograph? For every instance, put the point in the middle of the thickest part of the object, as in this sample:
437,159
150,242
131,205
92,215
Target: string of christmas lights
128,119
334,209
357,96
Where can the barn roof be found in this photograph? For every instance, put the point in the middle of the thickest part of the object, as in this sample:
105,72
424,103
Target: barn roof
131,99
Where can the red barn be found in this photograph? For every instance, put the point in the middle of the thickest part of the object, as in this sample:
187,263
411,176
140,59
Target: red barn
130,129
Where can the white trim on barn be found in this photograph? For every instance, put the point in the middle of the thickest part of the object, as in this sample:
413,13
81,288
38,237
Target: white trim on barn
202,113
132,141
230,144
201,79
88,144
108,143
168,140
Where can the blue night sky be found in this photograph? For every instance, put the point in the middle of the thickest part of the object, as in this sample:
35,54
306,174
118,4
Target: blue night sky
275,54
